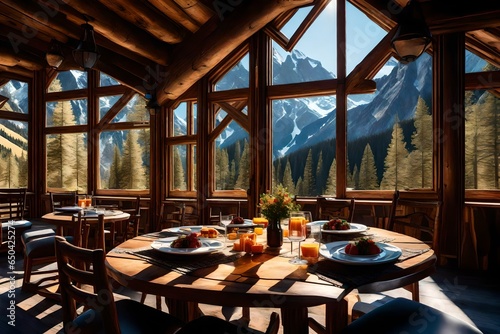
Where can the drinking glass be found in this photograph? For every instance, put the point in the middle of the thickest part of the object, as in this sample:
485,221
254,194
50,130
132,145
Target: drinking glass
297,232
225,220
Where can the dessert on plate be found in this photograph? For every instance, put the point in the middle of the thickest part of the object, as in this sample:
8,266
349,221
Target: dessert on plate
337,224
363,246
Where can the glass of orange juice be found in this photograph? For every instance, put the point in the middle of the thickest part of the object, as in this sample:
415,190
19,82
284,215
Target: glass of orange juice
310,252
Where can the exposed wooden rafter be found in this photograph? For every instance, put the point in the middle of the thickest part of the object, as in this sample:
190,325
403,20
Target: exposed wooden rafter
193,59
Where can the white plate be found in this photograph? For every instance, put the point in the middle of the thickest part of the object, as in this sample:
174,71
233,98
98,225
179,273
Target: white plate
355,228
207,246
335,251
195,229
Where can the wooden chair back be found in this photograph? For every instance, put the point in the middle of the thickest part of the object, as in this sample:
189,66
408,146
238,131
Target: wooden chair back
328,208
131,228
171,215
224,209
60,199
416,218
84,226
74,285
12,204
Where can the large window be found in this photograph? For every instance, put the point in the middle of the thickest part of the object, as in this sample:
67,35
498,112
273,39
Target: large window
14,110
390,133
482,124
112,130
182,149
304,145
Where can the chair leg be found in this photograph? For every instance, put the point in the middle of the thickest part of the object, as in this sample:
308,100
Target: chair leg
415,291
158,300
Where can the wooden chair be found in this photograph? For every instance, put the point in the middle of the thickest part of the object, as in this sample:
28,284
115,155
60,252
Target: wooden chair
214,325
91,289
12,207
39,250
216,210
418,219
328,208
171,215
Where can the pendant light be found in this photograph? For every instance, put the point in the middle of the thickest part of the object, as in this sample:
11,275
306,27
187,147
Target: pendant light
54,55
413,35
86,54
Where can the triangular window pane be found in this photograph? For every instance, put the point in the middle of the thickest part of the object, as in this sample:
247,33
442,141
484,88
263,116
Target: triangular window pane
68,80
106,80
14,97
106,102
362,35
236,77
314,56
474,63
134,111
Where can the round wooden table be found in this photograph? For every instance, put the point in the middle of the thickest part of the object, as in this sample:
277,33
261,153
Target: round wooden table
63,220
263,280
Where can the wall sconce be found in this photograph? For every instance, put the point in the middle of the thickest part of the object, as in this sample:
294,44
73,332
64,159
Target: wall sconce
86,54
413,35
54,55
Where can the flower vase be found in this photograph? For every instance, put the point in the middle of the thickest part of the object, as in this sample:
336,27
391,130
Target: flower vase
274,233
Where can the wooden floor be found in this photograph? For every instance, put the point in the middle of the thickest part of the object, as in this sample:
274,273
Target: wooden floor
471,296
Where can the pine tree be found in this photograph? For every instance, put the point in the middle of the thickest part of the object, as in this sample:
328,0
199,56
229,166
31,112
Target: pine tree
319,175
421,158
62,149
23,170
222,168
132,169
471,141
367,170
308,176
287,179
395,161
3,168
139,113
179,175
331,181
9,174
115,169
243,181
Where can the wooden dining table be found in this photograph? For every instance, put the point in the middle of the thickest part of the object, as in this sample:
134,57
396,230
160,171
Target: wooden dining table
63,220
268,280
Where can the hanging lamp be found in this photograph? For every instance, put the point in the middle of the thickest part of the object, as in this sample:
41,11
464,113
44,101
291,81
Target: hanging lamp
86,54
413,36
54,55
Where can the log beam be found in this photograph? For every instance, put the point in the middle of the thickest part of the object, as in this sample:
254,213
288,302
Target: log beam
118,30
192,60
146,18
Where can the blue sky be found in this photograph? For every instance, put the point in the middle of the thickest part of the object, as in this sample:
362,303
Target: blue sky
319,42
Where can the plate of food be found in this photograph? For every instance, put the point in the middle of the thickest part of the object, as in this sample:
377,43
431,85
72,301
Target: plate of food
188,244
203,232
360,252
342,226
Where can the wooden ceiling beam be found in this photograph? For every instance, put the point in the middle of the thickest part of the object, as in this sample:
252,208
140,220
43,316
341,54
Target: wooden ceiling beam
170,9
41,19
146,18
193,59
196,9
11,57
483,80
23,72
116,29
